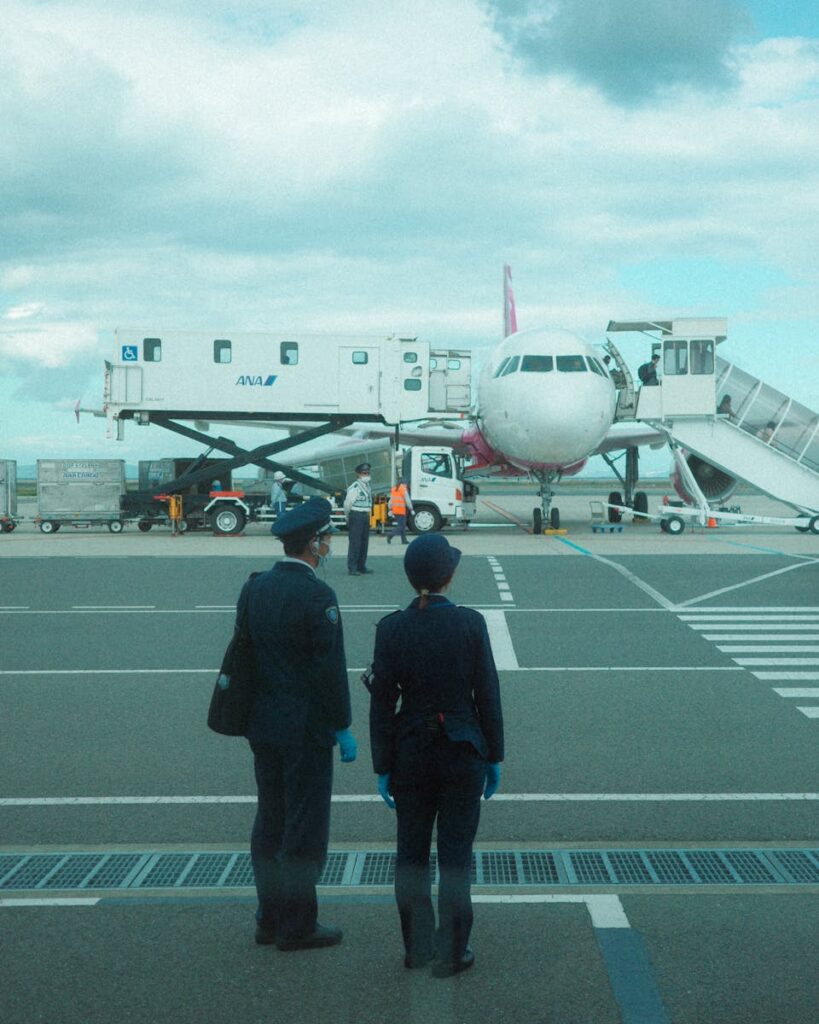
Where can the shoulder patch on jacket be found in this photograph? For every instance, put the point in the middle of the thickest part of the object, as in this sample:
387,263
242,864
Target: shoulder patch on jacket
332,614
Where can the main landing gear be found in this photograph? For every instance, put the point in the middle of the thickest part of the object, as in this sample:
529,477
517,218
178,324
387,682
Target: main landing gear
545,514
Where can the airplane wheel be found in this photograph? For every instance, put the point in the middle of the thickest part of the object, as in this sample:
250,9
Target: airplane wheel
554,518
640,504
615,498
537,521
675,525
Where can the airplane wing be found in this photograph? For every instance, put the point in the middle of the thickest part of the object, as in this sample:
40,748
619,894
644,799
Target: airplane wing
629,434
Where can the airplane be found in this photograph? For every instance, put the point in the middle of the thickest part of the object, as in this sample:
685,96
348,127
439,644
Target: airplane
545,402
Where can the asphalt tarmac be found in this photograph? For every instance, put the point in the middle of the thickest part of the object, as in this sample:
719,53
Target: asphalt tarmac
631,723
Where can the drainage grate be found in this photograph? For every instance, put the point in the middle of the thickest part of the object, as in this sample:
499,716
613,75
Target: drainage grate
152,870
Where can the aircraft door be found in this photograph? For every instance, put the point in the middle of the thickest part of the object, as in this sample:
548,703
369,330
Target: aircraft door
126,385
450,381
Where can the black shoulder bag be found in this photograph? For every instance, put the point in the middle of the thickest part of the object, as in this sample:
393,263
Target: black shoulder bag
237,682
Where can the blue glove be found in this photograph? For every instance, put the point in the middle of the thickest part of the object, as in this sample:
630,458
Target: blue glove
493,774
384,790
347,745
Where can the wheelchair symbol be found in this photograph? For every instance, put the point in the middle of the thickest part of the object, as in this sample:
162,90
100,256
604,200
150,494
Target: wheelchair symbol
129,353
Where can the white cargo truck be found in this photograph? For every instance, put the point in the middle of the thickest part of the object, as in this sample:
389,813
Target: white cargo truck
8,495
79,493
440,497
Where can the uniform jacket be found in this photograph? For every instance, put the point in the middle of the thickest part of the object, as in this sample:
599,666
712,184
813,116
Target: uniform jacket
295,626
438,663
358,494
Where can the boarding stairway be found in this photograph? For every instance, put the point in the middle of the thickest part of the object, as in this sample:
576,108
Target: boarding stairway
761,436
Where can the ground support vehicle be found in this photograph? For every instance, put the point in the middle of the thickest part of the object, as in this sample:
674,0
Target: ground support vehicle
80,493
440,497
673,519
8,495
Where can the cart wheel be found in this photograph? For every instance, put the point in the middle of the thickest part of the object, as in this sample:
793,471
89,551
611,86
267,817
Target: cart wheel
813,525
46,526
615,498
6,527
806,527
664,526
115,526
674,525
144,525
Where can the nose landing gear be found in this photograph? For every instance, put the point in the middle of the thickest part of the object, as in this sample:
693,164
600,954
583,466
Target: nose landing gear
546,513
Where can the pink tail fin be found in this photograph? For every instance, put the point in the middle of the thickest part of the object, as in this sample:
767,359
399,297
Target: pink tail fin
510,317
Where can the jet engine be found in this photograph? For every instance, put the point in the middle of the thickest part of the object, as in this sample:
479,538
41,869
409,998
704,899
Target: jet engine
714,483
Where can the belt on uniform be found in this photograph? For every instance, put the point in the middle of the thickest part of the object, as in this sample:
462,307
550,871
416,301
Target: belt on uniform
434,723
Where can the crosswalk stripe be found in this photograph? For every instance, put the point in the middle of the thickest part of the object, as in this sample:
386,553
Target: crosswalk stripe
773,617
810,712
759,637
777,661
783,676
769,649
797,691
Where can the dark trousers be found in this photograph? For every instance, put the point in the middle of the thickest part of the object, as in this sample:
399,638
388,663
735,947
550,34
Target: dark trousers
358,529
288,845
399,528
445,783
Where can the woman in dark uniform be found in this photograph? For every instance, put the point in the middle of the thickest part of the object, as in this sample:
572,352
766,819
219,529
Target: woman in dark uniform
438,753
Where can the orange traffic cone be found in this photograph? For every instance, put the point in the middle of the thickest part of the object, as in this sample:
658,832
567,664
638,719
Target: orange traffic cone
712,523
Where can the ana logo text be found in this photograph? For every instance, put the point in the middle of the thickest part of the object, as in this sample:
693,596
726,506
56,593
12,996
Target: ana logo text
250,380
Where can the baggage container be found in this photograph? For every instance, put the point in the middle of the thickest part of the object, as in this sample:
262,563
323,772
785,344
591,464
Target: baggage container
79,492
156,473
8,495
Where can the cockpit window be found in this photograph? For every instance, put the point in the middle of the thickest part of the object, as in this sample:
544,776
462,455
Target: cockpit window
511,366
537,364
571,364
502,366
594,366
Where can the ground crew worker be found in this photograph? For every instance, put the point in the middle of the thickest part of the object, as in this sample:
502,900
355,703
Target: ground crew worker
438,754
358,506
400,506
302,710
278,497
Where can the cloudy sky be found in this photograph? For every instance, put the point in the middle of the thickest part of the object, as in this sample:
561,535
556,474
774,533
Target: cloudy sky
369,165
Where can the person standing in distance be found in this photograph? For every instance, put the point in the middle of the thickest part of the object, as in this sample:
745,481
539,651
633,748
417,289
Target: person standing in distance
278,497
301,711
358,506
438,754
647,372
400,507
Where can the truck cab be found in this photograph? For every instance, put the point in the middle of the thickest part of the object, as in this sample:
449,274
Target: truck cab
439,495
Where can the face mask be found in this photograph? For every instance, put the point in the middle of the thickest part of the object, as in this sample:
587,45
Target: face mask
365,479
323,558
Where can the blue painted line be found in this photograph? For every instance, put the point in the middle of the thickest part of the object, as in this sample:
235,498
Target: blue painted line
571,544
755,547
631,976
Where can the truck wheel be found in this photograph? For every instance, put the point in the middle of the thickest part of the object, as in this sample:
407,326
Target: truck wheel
228,520
7,527
615,498
425,520
144,525
674,525
115,526
46,526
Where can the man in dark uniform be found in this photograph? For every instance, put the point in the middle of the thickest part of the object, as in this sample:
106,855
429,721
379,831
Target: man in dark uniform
302,710
648,372
438,754
358,506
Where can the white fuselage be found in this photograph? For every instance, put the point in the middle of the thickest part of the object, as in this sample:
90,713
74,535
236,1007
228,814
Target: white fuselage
542,403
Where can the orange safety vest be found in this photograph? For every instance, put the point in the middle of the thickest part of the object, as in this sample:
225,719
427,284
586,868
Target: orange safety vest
398,504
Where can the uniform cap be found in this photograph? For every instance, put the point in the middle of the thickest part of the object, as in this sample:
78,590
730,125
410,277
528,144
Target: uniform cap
278,475
430,559
312,516
363,467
